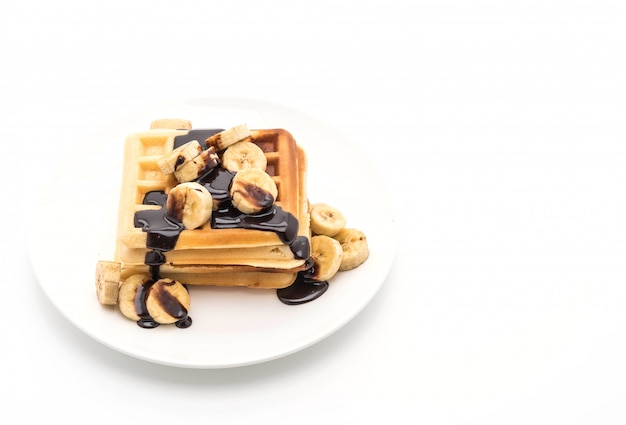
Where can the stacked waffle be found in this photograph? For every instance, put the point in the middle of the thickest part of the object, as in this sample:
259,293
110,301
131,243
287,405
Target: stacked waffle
230,249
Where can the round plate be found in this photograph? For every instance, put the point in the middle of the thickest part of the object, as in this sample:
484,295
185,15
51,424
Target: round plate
76,223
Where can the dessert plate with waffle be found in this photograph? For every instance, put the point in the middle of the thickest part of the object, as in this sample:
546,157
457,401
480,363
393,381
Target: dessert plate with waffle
212,233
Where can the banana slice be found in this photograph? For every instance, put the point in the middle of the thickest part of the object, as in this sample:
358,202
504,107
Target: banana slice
198,166
168,301
128,293
190,203
326,253
173,160
253,190
229,137
171,123
326,220
243,155
108,281
354,246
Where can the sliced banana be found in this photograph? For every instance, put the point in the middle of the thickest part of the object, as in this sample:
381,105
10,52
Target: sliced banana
171,124
128,293
197,166
229,137
168,301
190,203
326,254
173,160
243,155
108,281
354,246
252,191
326,220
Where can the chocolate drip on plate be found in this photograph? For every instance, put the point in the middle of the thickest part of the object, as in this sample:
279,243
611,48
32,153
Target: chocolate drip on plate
302,290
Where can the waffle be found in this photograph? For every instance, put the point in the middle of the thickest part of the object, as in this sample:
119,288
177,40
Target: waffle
211,256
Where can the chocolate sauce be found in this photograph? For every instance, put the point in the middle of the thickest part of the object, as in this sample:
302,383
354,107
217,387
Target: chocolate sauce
184,323
301,247
162,234
303,290
154,259
170,304
145,320
200,135
273,219
180,160
257,196
162,230
217,182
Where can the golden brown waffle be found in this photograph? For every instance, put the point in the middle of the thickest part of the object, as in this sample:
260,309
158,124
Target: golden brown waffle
214,256
252,277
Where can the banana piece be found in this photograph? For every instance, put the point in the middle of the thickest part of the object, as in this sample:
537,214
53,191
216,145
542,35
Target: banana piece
108,281
326,253
173,160
354,246
326,220
198,166
252,191
243,155
190,203
226,138
128,293
171,123
167,301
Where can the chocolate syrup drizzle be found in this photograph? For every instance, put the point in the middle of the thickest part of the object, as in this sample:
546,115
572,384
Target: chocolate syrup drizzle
163,232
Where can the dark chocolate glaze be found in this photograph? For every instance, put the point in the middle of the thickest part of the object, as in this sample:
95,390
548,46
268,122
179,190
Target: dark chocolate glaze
209,160
162,235
170,304
301,247
184,323
303,290
260,198
217,182
179,161
155,258
273,219
163,231
200,135
145,320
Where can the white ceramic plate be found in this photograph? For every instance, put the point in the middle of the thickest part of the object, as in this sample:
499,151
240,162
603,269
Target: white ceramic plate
231,326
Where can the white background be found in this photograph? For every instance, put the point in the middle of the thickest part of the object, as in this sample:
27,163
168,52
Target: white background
501,126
